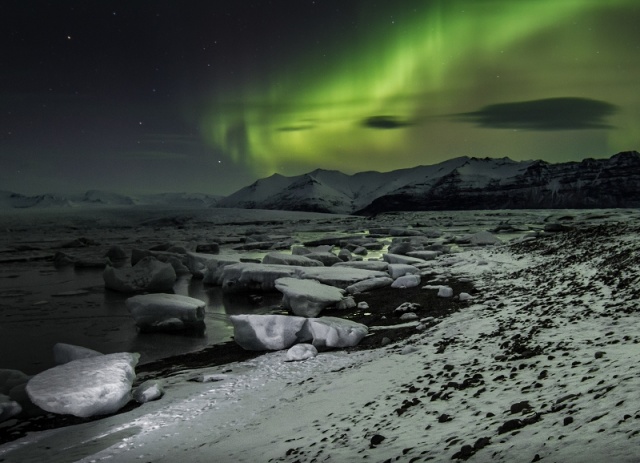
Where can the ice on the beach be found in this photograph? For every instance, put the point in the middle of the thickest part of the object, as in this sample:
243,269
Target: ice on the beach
64,353
333,332
340,277
327,258
484,238
166,311
149,275
8,407
400,259
445,291
307,298
301,352
10,378
398,270
251,276
424,255
197,263
406,281
280,258
369,284
147,391
85,387
374,265
465,297
267,332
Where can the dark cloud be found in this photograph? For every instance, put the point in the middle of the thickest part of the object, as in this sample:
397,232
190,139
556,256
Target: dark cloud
547,114
385,122
295,128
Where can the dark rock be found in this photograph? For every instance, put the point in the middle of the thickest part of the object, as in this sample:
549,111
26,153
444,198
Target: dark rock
520,407
568,420
376,439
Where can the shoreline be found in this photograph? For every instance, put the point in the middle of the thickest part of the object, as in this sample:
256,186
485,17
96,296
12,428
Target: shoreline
382,303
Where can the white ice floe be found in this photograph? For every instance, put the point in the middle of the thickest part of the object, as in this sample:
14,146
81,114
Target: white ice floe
301,352
400,259
340,277
166,311
333,332
376,265
369,284
64,353
148,275
424,255
398,270
251,276
445,291
10,378
406,281
279,258
484,238
85,387
148,391
307,298
8,408
268,332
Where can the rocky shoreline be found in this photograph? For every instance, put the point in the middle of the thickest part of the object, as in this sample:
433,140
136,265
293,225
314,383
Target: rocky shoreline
382,303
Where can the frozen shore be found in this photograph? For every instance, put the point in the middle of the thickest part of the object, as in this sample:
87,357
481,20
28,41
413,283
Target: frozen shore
543,365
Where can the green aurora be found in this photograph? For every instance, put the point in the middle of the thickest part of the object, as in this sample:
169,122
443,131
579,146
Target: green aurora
397,89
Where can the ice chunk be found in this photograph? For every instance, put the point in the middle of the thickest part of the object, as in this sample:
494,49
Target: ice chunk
148,275
368,285
445,291
301,352
376,265
398,259
10,378
483,238
307,298
425,255
64,353
340,277
148,391
8,407
331,332
250,276
85,387
280,258
268,332
153,312
398,270
465,297
327,258
407,281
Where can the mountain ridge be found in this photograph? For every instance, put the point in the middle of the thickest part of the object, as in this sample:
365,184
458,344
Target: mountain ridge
456,184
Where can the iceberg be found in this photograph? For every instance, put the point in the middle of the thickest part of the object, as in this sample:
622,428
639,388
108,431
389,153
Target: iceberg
267,332
252,276
333,332
280,258
307,298
166,312
85,387
148,275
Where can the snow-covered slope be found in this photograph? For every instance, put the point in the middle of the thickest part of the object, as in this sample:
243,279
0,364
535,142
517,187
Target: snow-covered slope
459,183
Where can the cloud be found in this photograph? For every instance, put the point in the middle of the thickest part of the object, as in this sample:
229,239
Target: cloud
566,113
295,128
385,122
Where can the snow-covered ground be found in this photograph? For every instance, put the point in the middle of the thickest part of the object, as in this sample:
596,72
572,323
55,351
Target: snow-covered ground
544,365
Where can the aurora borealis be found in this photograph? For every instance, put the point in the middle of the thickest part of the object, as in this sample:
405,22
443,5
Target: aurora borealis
188,96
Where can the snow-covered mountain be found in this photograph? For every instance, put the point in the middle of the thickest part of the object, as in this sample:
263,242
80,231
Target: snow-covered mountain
460,183
99,198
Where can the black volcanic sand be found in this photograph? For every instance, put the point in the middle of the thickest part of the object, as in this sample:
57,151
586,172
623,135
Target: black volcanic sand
382,304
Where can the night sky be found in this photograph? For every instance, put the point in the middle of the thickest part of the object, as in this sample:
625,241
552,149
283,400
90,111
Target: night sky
161,96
